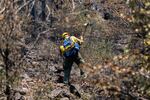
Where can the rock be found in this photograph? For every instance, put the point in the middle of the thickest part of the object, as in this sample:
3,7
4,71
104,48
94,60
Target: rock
1,68
3,98
24,91
74,91
22,98
31,72
29,98
1,65
52,68
60,90
77,86
17,96
26,77
55,93
21,91
64,98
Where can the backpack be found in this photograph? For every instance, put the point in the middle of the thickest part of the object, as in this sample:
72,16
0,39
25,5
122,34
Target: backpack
72,51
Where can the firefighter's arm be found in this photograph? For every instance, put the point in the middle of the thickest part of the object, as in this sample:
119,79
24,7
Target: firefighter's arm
69,47
75,39
80,41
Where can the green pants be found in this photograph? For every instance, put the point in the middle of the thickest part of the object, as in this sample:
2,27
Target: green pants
67,65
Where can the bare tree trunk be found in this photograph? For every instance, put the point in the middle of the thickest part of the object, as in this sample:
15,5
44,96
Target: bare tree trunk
73,5
6,60
43,6
5,53
33,12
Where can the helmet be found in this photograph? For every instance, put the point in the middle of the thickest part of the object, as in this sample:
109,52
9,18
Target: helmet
65,33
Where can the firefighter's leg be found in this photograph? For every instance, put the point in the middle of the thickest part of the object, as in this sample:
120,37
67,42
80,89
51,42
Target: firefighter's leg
80,62
67,69
85,68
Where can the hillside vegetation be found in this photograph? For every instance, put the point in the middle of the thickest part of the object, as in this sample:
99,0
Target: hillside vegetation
116,47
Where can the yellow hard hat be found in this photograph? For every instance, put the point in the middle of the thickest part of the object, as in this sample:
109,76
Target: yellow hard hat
65,33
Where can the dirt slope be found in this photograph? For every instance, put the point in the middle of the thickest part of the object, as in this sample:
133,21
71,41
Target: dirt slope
41,78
